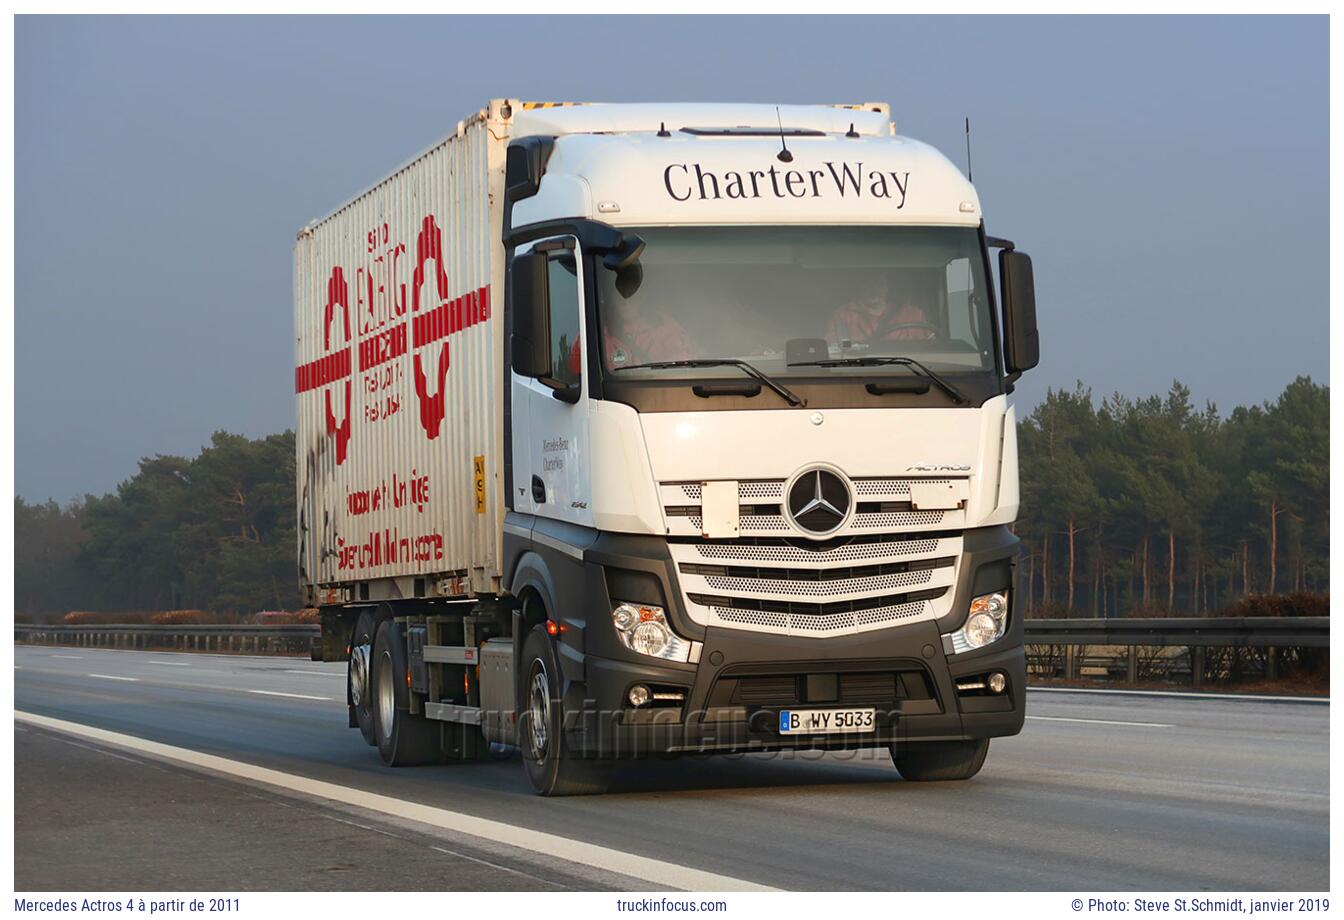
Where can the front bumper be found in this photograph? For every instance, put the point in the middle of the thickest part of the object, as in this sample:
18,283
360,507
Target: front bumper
743,681
732,697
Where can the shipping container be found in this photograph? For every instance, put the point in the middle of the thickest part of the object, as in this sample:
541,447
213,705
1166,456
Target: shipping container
398,338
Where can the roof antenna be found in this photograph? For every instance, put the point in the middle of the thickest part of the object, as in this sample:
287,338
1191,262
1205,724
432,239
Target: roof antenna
851,132
783,156
968,149
662,129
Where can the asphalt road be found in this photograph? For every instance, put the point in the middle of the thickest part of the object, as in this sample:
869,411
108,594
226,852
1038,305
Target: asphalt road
1100,792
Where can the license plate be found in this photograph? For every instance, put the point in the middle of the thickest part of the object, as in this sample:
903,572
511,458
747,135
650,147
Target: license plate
826,721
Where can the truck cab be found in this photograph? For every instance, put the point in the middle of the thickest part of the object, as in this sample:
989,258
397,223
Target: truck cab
760,468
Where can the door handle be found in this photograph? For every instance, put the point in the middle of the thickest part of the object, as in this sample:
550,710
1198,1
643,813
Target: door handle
538,490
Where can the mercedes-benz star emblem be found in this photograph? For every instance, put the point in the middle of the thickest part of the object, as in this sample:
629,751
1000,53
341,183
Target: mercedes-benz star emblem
819,501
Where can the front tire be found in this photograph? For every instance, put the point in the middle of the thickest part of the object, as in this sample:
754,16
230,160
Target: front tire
939,761
403,739
552,767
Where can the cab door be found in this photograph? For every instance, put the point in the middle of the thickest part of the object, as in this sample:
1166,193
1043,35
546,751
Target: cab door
550,411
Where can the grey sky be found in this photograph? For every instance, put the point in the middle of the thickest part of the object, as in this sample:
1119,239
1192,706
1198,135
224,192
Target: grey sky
1169,175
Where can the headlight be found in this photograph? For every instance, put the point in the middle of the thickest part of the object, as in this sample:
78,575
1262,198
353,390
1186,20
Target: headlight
986,622
643,628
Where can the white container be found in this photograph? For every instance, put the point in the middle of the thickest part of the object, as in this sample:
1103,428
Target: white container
398,318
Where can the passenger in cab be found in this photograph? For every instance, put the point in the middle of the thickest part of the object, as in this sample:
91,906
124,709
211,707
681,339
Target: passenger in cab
875,316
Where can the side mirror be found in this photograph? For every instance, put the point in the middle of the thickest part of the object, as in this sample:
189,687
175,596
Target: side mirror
524,165
530,302
1022,343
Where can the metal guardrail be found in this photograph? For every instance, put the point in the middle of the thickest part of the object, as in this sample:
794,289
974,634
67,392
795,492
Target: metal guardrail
1253,632
1256,646
1206,648
247,638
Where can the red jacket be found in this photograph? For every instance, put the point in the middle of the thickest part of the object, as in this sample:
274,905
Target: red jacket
641,341
854,323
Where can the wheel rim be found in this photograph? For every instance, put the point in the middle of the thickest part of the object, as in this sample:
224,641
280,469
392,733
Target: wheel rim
387,703
359,674
538,708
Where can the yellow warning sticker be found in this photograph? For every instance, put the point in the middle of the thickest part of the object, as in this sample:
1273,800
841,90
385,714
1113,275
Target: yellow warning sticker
478,464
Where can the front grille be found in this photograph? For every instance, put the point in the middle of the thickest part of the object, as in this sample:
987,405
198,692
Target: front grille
795,608
897,519
774,488
820,575
824,589
766,690
746,489
873,688
754,522
882,503
864,688
849,549
812,624
773,577
893,487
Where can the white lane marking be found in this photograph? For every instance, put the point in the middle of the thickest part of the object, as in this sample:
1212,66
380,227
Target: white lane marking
364,827
171,664
296,696
73,657
655,871
486,862
1187,694
316,673
112,677
1102,721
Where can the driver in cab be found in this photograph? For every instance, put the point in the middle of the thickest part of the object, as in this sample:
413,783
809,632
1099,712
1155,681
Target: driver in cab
875,316
639,333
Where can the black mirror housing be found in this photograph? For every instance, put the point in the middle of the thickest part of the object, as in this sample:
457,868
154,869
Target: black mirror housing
530,306
624,255
1022,341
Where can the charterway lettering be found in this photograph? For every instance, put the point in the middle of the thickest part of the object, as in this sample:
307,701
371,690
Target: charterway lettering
685,181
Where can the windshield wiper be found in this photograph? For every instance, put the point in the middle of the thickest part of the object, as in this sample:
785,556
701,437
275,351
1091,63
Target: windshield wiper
875,360
792,398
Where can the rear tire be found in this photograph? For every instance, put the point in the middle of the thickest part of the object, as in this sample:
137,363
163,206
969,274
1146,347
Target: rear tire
938,761
552,768
403,739
359,687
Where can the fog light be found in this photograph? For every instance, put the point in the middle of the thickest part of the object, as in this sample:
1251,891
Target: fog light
639,695
997,682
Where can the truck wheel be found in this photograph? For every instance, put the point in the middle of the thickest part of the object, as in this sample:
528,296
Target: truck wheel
552,767
403,739
359,687
931,761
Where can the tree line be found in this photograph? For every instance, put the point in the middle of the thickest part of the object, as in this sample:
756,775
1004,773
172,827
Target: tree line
1147,506
1129,507
215,532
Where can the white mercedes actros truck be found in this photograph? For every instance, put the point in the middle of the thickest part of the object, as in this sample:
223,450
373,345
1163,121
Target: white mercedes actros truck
644,429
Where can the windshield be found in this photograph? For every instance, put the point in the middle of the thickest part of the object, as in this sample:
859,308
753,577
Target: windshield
784,298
